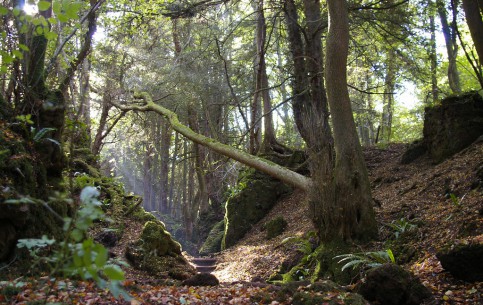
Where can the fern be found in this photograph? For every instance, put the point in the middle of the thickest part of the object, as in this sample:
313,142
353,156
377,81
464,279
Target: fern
365,259
303,245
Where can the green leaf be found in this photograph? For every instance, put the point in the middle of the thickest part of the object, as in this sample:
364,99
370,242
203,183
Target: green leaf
6,58
3,10
43,5
114,272
353,264
391,255
23,47
101,258
62,17
88,194
16,12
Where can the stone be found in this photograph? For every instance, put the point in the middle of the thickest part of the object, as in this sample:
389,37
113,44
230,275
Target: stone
212,243
463,261
107,238
258,194
453,125
7,239
390,284
275,227
202,279
158,253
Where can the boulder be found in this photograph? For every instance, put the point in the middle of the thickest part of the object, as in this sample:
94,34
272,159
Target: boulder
390,284
7,239
108,239
202,279
463,261
449,128
212,243
158,253
275,227
453,125
256,196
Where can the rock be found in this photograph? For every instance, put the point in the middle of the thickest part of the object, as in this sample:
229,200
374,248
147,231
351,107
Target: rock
258,194
414,151
390,284
107,238
212,243
158,253
156,238
453,125
202,279
463,261
7,239
275,227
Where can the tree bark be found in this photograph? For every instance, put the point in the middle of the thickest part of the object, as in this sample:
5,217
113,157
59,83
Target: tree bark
433,58
388,107
350,215
451,47
473,15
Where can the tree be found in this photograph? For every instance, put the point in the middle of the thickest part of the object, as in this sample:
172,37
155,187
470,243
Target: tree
449,32
473,10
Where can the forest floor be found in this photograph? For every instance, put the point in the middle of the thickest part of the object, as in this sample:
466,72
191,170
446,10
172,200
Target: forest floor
415,196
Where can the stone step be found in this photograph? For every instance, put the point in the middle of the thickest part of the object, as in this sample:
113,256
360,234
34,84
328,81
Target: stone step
204,264
204,261
205,269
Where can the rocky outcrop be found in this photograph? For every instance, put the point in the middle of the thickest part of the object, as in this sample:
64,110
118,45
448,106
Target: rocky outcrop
463,261
158,253
449,128
256,196
212,243
390,284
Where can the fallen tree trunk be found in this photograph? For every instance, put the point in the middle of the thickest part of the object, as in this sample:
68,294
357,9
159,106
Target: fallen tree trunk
270,168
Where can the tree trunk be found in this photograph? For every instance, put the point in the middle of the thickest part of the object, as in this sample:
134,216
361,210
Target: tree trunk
433,57
350,215
388,107
473,15
451,47
147,178
261,82
166,133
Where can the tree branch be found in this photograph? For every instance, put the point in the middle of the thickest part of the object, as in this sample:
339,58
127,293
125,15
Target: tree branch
270,168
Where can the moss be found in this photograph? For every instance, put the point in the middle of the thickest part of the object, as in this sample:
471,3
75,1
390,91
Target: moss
156,238
320,265
275,227
257,195
212,243
141,215
81,166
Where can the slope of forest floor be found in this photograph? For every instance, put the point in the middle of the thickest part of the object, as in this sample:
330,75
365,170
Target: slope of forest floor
418,193
414,194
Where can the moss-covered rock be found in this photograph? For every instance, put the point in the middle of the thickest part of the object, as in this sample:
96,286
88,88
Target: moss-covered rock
257,193
275,227
449,127
320,264
391,284
158,253
156,238
212,243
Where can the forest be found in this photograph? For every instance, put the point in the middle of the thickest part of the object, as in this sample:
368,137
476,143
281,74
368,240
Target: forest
241,152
